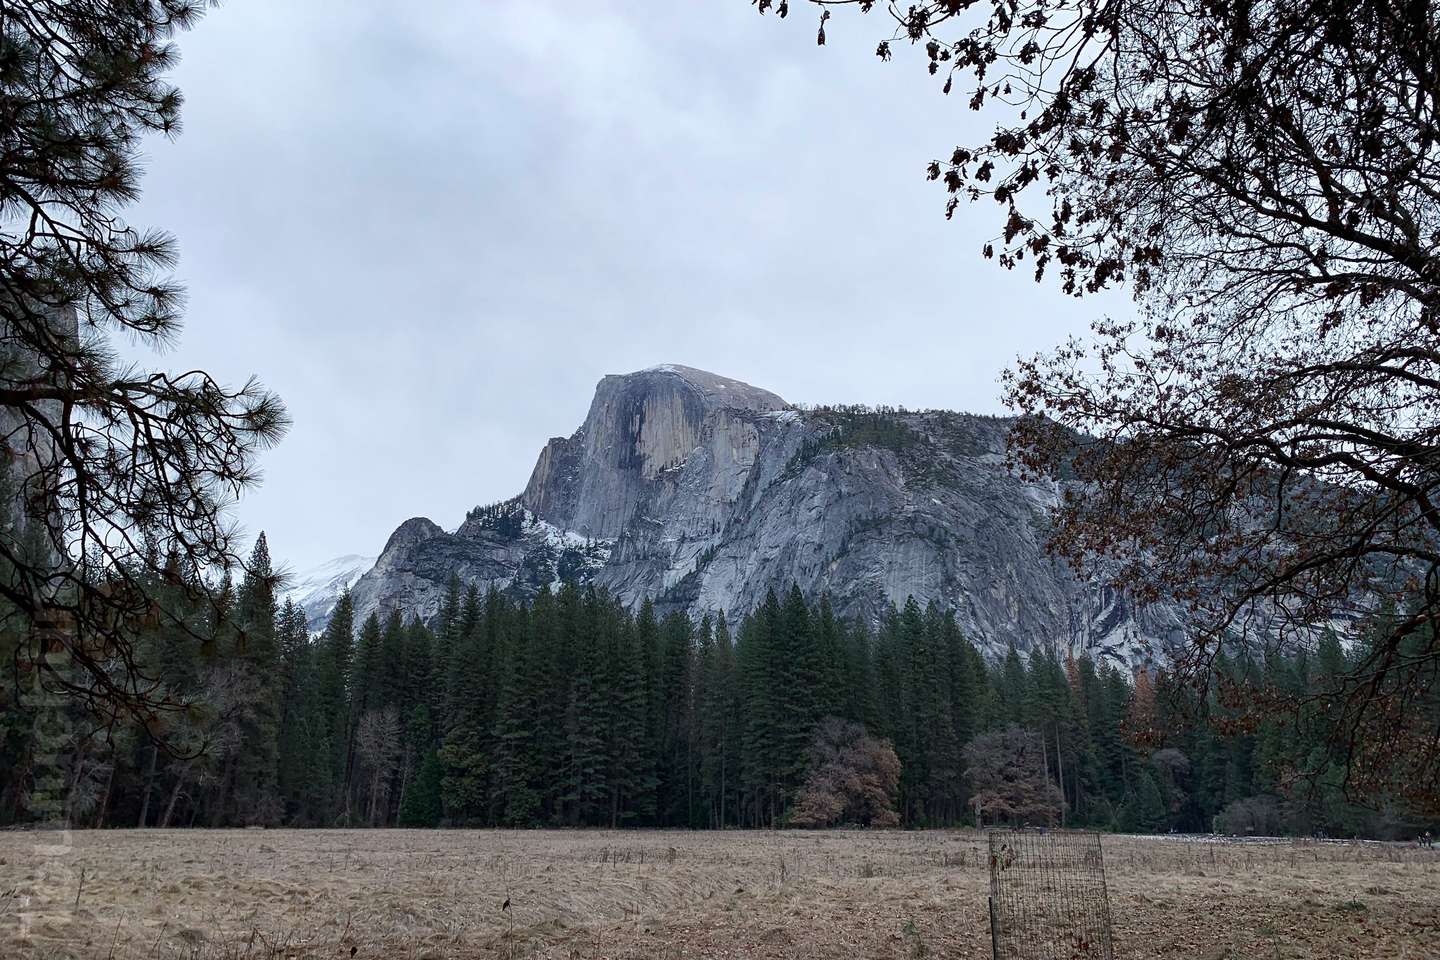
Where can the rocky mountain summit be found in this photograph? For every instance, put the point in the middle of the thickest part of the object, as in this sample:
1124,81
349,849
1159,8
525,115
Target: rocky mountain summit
702,493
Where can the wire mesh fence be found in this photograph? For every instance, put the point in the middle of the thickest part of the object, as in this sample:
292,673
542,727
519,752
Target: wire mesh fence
1048,899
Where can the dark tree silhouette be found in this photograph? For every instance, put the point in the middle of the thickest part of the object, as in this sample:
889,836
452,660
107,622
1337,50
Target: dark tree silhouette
111,471
1262,443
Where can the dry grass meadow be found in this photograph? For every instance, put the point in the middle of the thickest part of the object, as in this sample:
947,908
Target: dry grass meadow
412,894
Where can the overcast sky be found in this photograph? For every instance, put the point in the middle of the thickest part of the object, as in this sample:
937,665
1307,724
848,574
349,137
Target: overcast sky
433,226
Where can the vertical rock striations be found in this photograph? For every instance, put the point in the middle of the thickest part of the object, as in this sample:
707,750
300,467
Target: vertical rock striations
703,493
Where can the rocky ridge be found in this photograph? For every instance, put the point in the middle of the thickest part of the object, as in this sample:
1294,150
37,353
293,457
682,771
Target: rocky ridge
703,493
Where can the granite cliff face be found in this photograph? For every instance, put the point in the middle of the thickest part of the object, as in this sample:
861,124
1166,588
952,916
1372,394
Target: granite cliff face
27,448
703,493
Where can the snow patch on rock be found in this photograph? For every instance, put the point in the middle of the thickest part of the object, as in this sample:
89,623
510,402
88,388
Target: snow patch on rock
318,589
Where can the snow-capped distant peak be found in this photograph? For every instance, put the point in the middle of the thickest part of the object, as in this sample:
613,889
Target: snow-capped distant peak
316,590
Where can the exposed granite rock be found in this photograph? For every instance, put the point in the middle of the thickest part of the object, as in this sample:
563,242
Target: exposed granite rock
640,433
508,547
703,493
29,450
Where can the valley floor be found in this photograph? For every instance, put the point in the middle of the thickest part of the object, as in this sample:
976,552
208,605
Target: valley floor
429,894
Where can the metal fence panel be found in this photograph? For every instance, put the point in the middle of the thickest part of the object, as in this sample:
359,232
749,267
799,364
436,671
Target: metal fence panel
1048,899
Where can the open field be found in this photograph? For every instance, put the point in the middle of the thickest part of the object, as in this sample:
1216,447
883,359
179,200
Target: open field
223,894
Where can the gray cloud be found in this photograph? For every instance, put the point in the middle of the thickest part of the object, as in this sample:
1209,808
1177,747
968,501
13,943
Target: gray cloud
432,227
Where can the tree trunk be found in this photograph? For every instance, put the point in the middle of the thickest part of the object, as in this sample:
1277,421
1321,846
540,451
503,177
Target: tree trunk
105,798
349,782
1060,774
149,788
222,794
404,780
690,781
174,795
374,794
722,778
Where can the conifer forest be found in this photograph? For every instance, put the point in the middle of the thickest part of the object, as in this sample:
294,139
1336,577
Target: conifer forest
570,711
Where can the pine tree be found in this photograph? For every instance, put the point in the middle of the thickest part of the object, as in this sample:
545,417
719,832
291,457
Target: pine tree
446,648
334,656
515,798
762,690
833,669
861,689
719,723
1146,811
365,688
552,681
798,668
470,691
647,652
422,805
674,774
1014,690
889,655
299,726
631,772
584,784
418,738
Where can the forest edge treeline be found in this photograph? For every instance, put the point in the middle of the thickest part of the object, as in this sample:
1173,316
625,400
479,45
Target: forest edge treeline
573,711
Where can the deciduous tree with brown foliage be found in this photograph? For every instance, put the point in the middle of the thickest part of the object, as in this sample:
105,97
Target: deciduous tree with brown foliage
1261,442
1008,778
853,778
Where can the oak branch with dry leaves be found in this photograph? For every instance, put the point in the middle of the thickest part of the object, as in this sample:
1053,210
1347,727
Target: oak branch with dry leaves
114,477
1261,441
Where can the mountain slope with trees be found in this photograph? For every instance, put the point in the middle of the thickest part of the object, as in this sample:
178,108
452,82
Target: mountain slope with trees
703,493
